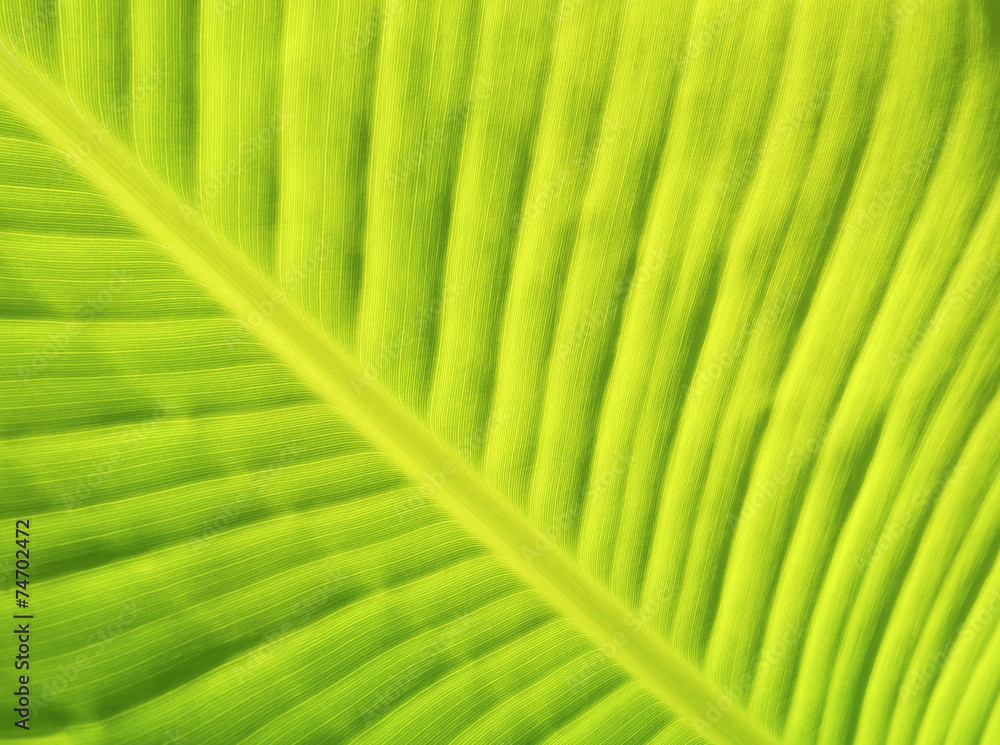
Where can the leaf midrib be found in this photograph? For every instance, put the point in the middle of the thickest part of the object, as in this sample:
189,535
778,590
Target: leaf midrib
339,380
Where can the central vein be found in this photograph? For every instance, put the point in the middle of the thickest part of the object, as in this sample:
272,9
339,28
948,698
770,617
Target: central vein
338,379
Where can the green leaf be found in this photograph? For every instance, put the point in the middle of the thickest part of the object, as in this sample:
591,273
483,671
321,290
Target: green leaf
532,372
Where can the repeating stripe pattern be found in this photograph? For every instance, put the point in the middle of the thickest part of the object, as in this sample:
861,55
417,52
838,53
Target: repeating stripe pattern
706,292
